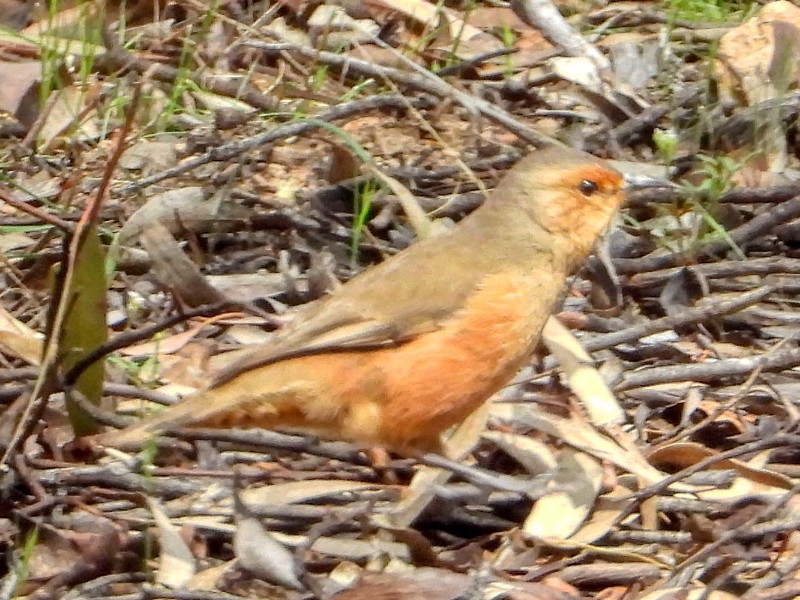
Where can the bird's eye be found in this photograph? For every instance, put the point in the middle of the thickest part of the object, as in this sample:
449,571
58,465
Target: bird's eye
588,187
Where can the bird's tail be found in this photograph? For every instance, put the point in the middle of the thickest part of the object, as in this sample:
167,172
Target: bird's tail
193,410
248,400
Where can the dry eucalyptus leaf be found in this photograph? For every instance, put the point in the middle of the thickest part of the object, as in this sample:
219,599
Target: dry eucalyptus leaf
581,435
261,554
754,478
209,579
150,156
336,29
280,494
535,456
19,89
188,208
634,58
175,562
351,549
172,343
19,340
14,240
472,41
419,494
247,287
175,269
604,515
558,514
421,490
215,102
580,70
584,380
68,118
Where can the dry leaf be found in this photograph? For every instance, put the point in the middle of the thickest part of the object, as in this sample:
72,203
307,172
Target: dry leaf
581,435
280,494
19,340
20,88
559,514
685,454
176,565
260,553
584,380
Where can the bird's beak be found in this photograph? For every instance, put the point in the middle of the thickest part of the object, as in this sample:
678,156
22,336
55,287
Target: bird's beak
642,182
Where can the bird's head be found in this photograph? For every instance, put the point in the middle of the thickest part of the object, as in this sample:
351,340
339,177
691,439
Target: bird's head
571,195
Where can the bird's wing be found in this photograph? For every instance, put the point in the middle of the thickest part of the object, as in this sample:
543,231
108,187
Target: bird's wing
337,337
359,317
389,304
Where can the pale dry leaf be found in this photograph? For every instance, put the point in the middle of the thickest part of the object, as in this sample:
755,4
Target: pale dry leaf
215,102
187,208
462,439
261,554
69,23
248,335
176,565
535,457
19,340
287,33
344,549
38,186
14,240
174,208
427,582
418,495
576,69
345,574
173,343
579,434
20,83
648,513
356,549
604,515
209,579
280,494
27,348
584,379
529,590
496,17
634,57
175,269
428,14
752,477
339,30
559,513
67,116
53,555
149,156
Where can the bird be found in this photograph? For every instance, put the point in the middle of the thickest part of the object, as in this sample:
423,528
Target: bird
413,345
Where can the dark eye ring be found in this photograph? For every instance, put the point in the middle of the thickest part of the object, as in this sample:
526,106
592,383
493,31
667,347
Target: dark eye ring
587,187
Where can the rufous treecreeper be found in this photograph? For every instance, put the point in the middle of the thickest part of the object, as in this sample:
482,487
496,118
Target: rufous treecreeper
412,346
